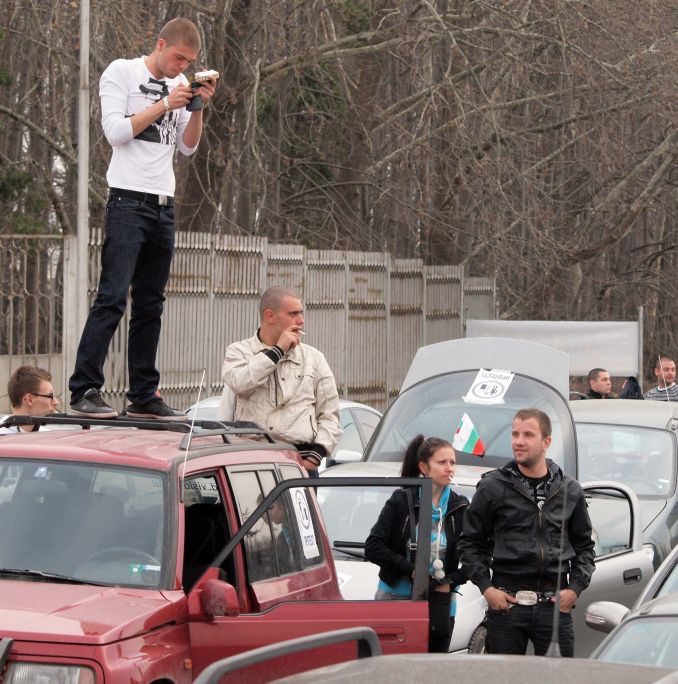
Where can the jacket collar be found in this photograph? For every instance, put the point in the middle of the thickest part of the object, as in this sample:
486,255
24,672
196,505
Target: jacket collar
511,473
257,345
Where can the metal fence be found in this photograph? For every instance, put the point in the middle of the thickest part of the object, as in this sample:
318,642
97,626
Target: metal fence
367,312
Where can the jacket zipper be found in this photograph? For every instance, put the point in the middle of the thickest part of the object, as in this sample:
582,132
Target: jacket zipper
540,521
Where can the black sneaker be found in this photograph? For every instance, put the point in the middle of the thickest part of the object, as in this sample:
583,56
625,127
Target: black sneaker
155,408
92,405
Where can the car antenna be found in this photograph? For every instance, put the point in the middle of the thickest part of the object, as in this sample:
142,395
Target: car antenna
190,434
553,650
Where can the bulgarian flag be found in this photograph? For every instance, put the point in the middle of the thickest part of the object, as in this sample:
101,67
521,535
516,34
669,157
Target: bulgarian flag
467,439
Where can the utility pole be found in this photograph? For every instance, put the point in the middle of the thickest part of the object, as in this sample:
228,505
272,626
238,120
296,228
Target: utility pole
76,246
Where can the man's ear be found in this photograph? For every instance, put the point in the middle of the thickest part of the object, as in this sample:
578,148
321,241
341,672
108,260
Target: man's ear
27,399
269,315
547,442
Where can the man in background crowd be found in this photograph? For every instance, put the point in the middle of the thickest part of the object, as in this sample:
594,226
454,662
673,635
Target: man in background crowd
600,385
665,372
31,394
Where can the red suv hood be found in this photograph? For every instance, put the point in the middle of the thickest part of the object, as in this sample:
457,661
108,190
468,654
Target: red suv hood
50,612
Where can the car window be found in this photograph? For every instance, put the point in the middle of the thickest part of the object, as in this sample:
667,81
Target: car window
642,458
611,519
669,585
304,521
350,437
351,512
644,641
206,529
435,407
91,522
368,421
284,538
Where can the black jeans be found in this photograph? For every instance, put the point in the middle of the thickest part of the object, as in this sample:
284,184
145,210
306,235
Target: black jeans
137,251
509,631
440,624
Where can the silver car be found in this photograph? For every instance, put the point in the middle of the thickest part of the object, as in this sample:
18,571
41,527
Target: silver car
445,382
634,442
604,616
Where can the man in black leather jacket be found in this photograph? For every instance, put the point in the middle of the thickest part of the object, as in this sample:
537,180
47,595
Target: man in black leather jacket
513,527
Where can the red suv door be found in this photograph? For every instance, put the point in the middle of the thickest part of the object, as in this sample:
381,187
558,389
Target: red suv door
291,584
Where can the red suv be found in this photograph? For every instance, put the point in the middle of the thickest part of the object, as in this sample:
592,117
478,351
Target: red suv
146,551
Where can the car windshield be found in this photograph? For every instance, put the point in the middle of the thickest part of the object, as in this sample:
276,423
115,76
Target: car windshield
642,458
436,406
350,512
86,522
646,641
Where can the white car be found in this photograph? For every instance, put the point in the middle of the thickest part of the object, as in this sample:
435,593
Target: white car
358,422
350,512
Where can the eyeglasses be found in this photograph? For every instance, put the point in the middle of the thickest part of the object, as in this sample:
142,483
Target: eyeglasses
51,396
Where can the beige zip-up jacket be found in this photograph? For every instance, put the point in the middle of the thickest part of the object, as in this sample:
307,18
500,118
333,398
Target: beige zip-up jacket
295,399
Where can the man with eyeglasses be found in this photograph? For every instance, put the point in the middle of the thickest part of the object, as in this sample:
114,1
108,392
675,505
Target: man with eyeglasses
31,394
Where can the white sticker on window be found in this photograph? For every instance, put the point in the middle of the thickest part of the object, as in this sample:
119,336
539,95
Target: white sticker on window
489,387
304,523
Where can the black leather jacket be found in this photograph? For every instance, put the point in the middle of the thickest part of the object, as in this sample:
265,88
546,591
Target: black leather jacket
505,529
387,545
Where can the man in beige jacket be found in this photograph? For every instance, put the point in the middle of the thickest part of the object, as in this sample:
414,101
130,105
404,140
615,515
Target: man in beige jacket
280,383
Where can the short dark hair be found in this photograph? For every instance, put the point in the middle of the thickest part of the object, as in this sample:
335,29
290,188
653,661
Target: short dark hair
660,358
26,380
272,298
181,30
420,450
595,372
543,420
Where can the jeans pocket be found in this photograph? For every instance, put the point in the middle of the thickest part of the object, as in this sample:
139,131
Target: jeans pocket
123,203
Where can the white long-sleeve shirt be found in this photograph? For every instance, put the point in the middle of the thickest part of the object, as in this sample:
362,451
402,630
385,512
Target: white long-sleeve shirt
143,163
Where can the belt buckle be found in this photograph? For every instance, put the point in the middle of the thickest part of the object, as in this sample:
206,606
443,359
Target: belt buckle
527,598
163,200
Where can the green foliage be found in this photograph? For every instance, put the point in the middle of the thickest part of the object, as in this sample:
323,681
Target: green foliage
355,15
21,203
13,184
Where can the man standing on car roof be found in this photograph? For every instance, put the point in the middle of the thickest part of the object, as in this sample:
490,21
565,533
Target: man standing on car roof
145,118
280,383
513,527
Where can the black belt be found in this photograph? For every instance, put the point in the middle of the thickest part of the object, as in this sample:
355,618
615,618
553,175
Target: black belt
527,597
146,197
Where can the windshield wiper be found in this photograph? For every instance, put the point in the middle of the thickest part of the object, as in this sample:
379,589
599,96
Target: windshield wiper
344,546
47,575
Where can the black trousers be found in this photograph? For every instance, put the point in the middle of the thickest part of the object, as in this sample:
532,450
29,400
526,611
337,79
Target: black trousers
440,624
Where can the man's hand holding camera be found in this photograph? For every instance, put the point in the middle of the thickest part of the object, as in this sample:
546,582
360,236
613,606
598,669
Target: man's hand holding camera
183,95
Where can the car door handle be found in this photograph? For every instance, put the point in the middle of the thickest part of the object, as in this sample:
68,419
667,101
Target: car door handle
633,576
390,633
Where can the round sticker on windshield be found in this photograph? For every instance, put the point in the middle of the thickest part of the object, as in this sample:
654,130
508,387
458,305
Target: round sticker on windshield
489,387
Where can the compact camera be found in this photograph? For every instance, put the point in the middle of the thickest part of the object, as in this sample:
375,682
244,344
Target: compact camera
198,79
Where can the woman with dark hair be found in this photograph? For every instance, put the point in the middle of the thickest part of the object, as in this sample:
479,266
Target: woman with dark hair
387,545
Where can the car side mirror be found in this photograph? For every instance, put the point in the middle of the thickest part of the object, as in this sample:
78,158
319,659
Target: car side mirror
346,456
218,598
604,616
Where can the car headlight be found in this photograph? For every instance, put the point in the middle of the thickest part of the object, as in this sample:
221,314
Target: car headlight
650,551
41,673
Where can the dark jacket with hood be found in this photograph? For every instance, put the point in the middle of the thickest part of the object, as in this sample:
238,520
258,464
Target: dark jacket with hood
387,545
507,531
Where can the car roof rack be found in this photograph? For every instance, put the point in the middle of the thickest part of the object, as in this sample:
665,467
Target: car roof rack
198,428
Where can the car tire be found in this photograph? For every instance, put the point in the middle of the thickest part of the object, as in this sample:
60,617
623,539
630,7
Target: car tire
476,644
